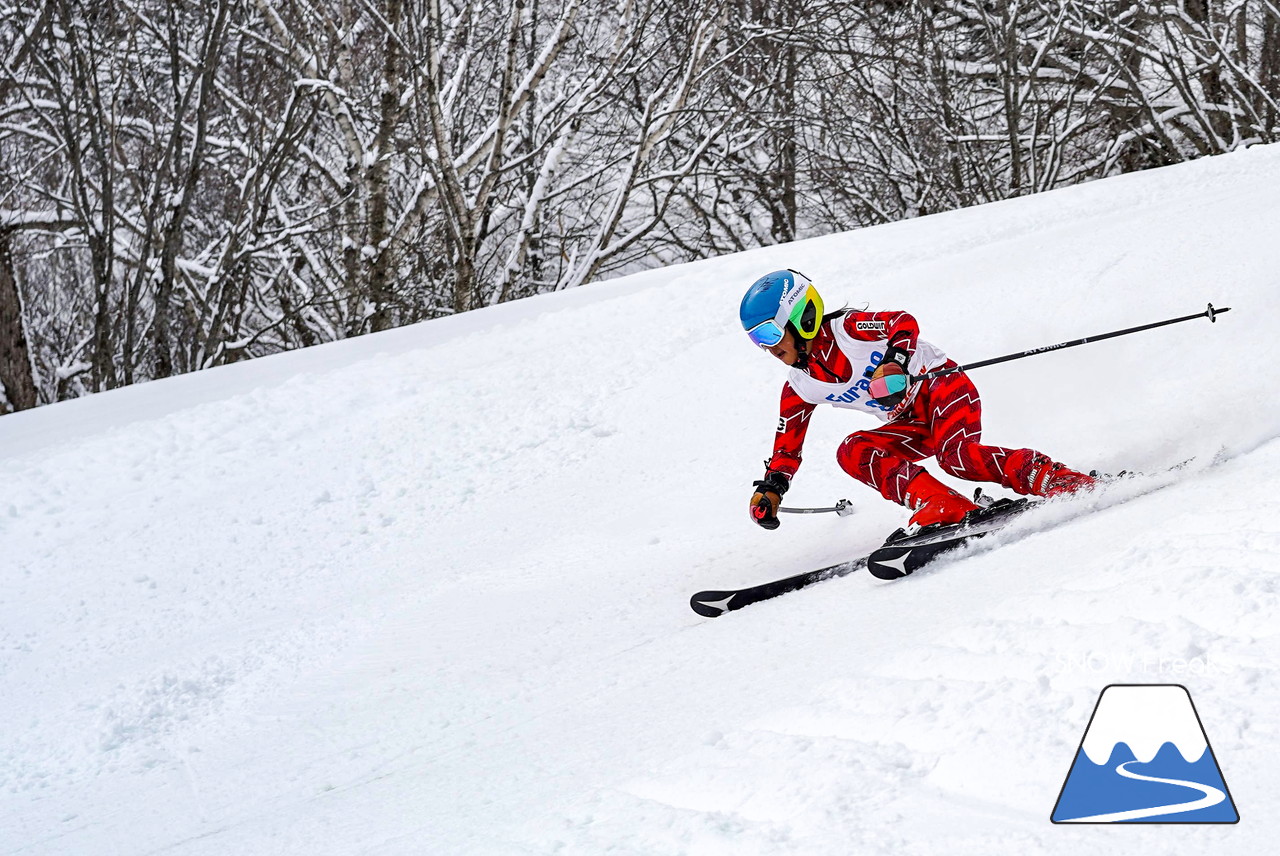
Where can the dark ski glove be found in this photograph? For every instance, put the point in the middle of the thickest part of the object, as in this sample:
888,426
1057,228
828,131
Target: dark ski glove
891,380
767,498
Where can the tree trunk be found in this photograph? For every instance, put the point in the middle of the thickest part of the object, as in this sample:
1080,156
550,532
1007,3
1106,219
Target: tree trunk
17,387
1210,75
1269,66
381,286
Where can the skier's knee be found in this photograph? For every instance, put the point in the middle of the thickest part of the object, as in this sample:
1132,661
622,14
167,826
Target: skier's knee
851,456
951,462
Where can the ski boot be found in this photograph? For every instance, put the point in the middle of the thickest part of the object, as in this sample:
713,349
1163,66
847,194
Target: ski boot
1034,473
933,502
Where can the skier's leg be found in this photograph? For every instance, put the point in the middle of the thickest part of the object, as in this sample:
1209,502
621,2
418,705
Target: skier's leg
955,422
954,415
884,458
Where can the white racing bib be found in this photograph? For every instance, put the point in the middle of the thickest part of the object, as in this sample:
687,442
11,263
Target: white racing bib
863,356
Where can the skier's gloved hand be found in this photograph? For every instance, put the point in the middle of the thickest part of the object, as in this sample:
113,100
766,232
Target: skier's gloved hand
891,380
768,497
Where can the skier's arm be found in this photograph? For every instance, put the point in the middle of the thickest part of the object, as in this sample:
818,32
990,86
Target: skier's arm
896,329
900,332
793,423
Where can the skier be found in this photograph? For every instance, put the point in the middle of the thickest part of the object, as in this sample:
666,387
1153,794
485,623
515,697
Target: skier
864,361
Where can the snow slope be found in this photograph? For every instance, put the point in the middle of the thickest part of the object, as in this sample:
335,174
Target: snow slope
426,592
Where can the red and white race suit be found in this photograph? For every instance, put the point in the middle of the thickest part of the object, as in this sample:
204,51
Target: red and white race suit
940,417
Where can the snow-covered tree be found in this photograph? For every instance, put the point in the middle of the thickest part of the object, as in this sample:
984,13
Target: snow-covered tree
185,183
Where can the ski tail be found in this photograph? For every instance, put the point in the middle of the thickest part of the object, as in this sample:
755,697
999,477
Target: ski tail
905,553
894,563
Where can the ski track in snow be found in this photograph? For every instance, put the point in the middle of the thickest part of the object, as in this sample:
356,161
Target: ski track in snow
427,592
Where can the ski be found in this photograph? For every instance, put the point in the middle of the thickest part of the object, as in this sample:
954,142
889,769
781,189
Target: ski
711,604
901,554
904,553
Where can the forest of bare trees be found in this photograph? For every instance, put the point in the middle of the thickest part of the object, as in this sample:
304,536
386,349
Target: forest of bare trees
186,183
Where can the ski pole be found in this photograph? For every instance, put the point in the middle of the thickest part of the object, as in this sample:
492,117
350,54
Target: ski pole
843,508
1210,313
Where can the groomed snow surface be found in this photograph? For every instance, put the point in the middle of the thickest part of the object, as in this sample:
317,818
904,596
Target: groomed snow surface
426,592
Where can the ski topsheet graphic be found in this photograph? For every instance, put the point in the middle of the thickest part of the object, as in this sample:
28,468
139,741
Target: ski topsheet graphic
1145,758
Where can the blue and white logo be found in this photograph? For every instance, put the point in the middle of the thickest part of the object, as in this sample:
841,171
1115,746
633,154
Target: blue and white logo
1145,758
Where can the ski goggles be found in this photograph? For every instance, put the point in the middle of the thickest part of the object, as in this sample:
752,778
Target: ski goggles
766,334
804,313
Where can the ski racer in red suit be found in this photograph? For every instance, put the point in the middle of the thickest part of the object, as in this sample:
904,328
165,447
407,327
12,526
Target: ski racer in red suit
865,361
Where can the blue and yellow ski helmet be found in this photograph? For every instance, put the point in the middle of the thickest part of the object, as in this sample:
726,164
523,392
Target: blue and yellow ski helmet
777,299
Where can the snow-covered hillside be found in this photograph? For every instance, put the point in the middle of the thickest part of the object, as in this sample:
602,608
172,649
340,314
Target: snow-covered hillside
426,592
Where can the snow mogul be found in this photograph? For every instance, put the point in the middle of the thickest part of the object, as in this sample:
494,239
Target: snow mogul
871,362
